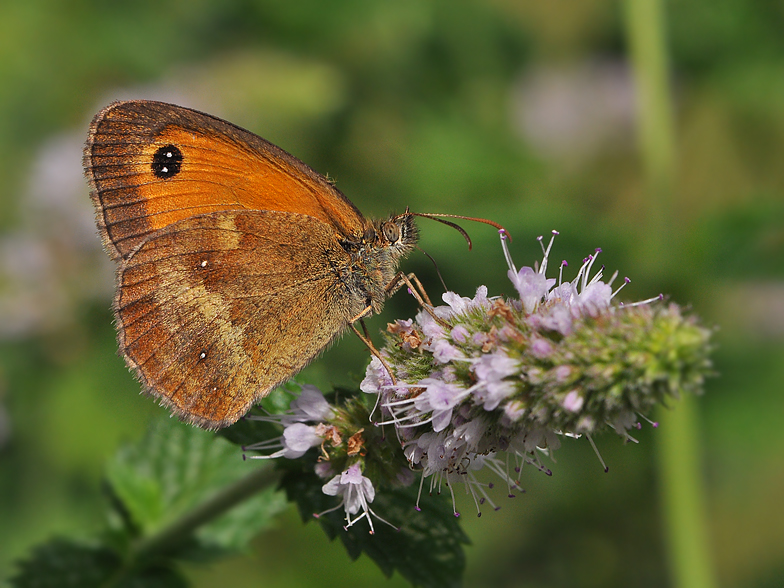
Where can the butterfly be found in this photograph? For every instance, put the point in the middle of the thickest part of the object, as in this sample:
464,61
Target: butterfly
237,263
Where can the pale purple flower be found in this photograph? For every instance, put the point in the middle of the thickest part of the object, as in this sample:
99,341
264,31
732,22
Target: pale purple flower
451,423
430,327
444,351
413,451
594,298
490,370
492,393
495,366
558,318
443,396
356,492
496,375
439,398
541,348
513,412
405,325
311,405
563,372
573,401
532,286
472,431
461,304
458,304
480,299
565,292
298,438
376,377
459,334
356,489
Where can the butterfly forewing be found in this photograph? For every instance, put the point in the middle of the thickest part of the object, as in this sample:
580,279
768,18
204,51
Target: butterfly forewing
151,164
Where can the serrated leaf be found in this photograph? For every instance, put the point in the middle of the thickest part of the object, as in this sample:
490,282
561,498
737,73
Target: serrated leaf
427,550
66,564
174,469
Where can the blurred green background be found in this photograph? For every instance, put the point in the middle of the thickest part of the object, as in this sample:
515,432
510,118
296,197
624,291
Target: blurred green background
519,111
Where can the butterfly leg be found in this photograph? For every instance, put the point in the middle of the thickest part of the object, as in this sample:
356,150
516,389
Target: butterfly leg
364,328
369,344
417,291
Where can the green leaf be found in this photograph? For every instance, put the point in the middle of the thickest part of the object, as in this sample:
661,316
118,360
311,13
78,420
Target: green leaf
235,530
62,563
176,468
180,492
427,550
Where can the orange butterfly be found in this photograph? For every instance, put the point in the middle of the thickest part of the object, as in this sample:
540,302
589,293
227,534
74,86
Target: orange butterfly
238,264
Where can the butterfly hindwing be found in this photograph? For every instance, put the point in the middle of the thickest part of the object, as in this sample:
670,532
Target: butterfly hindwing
216,310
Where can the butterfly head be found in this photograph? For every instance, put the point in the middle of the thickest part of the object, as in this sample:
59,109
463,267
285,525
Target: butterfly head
399,234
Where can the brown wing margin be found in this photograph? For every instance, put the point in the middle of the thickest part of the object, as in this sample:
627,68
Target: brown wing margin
223,167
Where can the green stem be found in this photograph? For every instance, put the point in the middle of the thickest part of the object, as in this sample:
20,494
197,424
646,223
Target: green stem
650,65
679,455
682,497
220,503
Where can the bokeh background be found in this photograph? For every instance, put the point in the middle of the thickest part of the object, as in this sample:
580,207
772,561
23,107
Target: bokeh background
521,111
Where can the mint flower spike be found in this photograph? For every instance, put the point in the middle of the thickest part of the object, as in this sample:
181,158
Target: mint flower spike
515,374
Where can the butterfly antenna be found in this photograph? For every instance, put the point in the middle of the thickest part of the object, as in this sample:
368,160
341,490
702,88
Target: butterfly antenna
440,218
435,265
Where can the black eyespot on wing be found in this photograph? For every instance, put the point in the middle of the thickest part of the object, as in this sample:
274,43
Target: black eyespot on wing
166,162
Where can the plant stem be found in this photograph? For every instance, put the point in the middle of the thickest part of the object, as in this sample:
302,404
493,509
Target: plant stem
655,132
227,498
679,456
682,497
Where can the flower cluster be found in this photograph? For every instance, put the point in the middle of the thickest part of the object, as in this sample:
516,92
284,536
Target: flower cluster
464,383
348,447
